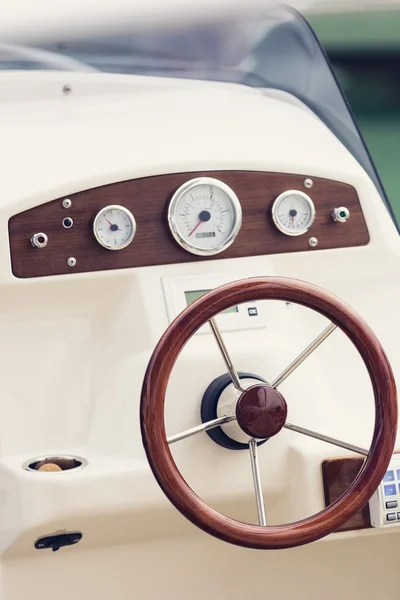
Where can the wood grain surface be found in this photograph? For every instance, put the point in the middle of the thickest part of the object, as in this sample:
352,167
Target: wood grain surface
153,428
338,474
148,199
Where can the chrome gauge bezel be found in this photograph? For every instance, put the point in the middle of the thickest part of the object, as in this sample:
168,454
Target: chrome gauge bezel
275,207
174,202
128,214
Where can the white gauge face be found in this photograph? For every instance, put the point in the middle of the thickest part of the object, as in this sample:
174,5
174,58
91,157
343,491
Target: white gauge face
204,216
114,227
293,212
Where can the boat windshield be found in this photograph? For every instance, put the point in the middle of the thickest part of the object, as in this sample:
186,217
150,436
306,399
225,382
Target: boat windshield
275,48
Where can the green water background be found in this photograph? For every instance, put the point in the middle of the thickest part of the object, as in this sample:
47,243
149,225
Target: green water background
364,50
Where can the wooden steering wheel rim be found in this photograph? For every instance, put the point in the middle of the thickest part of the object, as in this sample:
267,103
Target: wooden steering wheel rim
152,414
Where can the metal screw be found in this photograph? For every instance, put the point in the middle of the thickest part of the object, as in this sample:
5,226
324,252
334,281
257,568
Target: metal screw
308,183
67,203
313,242
71,262
67,89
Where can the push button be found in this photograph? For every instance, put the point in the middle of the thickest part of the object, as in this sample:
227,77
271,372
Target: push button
391,517
390,490
392,504
389,476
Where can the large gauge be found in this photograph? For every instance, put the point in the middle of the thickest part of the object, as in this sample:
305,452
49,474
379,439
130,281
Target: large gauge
114,227
204,216
293,212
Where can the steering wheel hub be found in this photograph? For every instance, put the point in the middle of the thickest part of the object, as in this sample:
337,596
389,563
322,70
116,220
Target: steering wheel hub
261,411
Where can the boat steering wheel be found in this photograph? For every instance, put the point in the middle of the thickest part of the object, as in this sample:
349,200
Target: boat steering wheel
261,412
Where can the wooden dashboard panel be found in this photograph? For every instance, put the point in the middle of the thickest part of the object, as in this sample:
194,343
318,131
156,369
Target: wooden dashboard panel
338,474
147,198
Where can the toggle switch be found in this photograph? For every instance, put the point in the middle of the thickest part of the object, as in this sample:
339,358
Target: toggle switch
39,240
341,214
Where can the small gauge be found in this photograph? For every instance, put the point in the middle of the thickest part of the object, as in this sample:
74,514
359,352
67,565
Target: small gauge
204,216
114,227
293,212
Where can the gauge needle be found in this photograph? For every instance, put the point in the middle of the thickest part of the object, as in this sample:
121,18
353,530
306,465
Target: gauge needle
193,230
112,225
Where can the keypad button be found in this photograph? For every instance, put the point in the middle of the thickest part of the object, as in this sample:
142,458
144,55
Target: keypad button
390,490
398,474
389,475
398,516
391,517
392,504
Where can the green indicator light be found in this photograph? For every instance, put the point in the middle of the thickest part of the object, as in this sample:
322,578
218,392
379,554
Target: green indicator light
343,214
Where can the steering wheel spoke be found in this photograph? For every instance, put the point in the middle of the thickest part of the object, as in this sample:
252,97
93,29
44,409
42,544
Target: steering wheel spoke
305,354
255,467
199,428
326,438
225,355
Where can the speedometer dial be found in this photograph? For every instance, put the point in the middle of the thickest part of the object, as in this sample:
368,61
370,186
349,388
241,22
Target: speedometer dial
293,212
204,216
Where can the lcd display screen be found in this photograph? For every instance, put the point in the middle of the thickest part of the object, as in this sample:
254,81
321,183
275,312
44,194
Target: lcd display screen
193,295
205,234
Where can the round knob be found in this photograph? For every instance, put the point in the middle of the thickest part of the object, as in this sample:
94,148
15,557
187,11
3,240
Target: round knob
261,411
341,214
39,240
